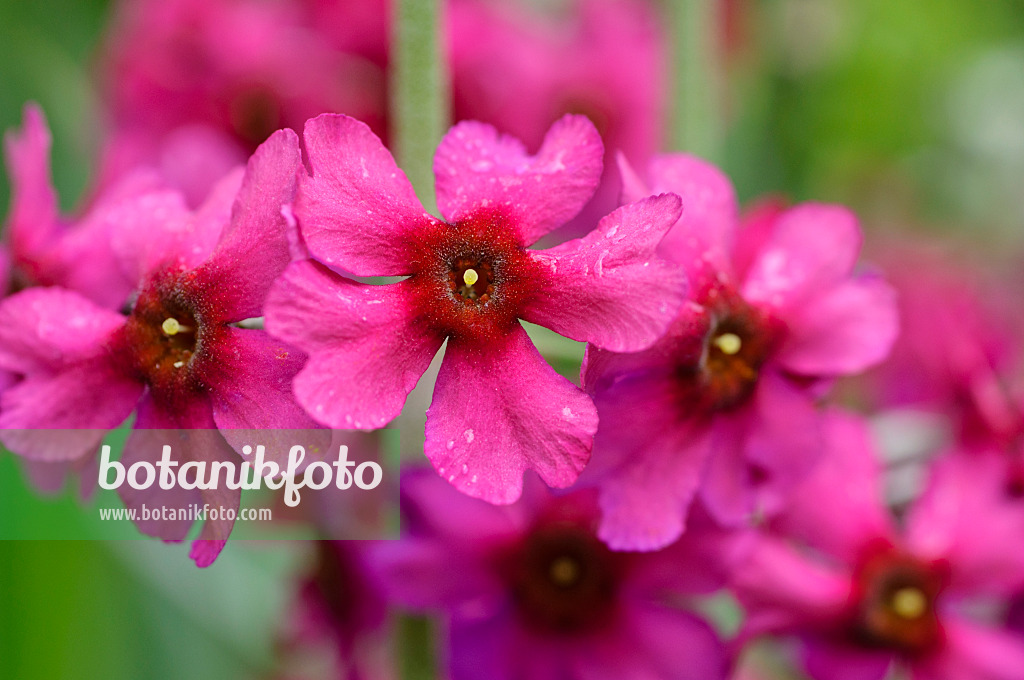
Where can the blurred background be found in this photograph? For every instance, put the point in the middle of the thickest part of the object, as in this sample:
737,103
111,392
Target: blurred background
911,113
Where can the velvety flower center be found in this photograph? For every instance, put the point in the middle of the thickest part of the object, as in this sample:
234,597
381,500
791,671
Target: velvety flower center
564,579
895,604
163,337
474,277
735,349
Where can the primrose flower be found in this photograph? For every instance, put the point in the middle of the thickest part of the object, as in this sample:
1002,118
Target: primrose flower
529,591
727,397
46,249
341,613
195,85
177,359
498,408
862,596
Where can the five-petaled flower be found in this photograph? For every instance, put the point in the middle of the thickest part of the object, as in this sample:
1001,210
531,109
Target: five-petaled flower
728,395
498,408
176,359
862,594
528,590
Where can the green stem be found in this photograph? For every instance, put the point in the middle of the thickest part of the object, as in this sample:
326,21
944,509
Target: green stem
697,84
415,639
419,91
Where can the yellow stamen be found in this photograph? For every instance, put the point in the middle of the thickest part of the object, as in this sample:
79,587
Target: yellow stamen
728,343
171,326
564,571
909,603
470,277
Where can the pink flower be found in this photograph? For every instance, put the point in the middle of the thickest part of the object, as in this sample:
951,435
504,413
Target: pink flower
862,595
520,70
957,348
340,612
176,359
528,590
195,85
727,398
498,408
46,249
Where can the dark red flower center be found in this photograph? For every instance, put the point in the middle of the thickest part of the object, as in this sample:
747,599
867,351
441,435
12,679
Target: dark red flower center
894,603
473,277
164,336
736,344
564,580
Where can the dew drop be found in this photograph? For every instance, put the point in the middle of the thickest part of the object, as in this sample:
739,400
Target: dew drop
468,434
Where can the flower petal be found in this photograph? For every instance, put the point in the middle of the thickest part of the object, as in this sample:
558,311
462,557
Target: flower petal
966,519
844,330
974,652
250,383
45,329
157,230
812,247
254,248
830,660
476,167
839,508
500,410
646,496
784,591
63,415
193,437
702,239
784,441
609,288
366,350
32,220
653,641
358,209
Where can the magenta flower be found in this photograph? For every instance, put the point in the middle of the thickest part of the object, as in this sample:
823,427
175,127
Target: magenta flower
862,596
46,249
195,85
519,70
176,360
957,347
341,614
498,408
528,590
727,398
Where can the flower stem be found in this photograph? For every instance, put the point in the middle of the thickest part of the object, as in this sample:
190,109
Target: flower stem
419,91
415,639
697,84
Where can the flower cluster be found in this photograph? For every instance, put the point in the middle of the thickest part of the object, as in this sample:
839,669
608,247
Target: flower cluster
714,474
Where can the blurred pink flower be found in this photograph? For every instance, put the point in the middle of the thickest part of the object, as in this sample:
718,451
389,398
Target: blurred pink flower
956,350
862,595
360,27
195,85
340,606
727,398
47,249
498,408
528,590
520,70
175,359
